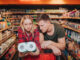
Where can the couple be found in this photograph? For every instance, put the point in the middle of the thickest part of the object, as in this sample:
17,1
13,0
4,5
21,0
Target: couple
49,38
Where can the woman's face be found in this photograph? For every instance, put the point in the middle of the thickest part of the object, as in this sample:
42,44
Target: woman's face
27,24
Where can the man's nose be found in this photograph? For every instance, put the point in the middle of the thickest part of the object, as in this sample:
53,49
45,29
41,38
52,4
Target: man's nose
40,28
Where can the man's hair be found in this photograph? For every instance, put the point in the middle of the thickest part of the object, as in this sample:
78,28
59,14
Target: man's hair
44,17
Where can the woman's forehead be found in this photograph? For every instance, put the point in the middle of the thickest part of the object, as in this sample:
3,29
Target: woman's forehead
27,21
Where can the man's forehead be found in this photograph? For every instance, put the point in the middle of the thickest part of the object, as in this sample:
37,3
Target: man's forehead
41,23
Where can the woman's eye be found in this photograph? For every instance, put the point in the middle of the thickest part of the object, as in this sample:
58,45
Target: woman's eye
25,24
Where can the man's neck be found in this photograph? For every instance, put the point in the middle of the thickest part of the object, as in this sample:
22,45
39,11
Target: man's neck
50,30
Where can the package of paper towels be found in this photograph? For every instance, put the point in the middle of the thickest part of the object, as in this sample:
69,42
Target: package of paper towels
27,47
31,46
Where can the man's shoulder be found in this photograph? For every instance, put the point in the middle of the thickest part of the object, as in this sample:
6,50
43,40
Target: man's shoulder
58,26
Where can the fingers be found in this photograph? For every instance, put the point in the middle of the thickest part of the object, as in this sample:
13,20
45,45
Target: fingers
57,52
21,55
26,54
44,46
35,53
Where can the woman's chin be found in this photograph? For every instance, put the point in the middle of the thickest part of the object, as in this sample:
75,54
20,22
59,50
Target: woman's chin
28,30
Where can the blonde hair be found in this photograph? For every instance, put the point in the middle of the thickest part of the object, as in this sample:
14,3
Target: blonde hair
22,21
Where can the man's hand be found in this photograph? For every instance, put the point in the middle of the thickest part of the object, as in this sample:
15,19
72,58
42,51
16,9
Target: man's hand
56,51
45,44
48,45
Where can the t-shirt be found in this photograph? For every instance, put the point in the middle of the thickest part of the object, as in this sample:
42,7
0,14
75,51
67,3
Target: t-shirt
58,33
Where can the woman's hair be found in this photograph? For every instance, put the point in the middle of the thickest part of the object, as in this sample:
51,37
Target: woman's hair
22,21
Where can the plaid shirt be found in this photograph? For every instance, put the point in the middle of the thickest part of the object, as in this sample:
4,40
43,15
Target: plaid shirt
23,37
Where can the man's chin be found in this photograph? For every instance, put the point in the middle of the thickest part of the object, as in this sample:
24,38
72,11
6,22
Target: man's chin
43,31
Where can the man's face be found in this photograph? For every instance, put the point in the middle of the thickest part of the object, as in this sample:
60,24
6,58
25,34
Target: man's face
43,26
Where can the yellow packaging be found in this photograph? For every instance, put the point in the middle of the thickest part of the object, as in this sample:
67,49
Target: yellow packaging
0,36
4,24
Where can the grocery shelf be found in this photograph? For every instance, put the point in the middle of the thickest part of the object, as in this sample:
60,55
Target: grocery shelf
7,49
65,18
0,18
13,55
14,18
62,54
2,41
33,13
71,39
74,55
71,28
5,28
16,23
61,18
75,17
50,18
68,38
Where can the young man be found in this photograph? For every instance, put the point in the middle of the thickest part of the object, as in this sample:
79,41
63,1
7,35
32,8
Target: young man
52,36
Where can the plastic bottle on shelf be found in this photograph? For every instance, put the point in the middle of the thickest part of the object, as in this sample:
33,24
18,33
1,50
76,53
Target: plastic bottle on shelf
69,57
69,33
77,13
72,35
78,38
0,50
8,23
78,53
0,26
3,25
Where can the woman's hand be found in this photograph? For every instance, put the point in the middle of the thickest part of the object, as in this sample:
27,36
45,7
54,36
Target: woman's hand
23,54
35,53
29,53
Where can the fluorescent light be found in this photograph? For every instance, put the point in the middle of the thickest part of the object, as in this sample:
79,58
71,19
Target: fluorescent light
57,2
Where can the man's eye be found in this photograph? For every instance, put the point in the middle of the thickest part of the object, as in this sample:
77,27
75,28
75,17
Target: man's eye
30,23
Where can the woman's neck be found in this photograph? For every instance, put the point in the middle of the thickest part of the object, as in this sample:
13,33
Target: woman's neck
28,33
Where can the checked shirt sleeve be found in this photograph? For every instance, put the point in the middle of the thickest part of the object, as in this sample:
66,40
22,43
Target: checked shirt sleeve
36,38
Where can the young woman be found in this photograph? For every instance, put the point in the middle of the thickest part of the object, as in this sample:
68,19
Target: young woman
26,33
